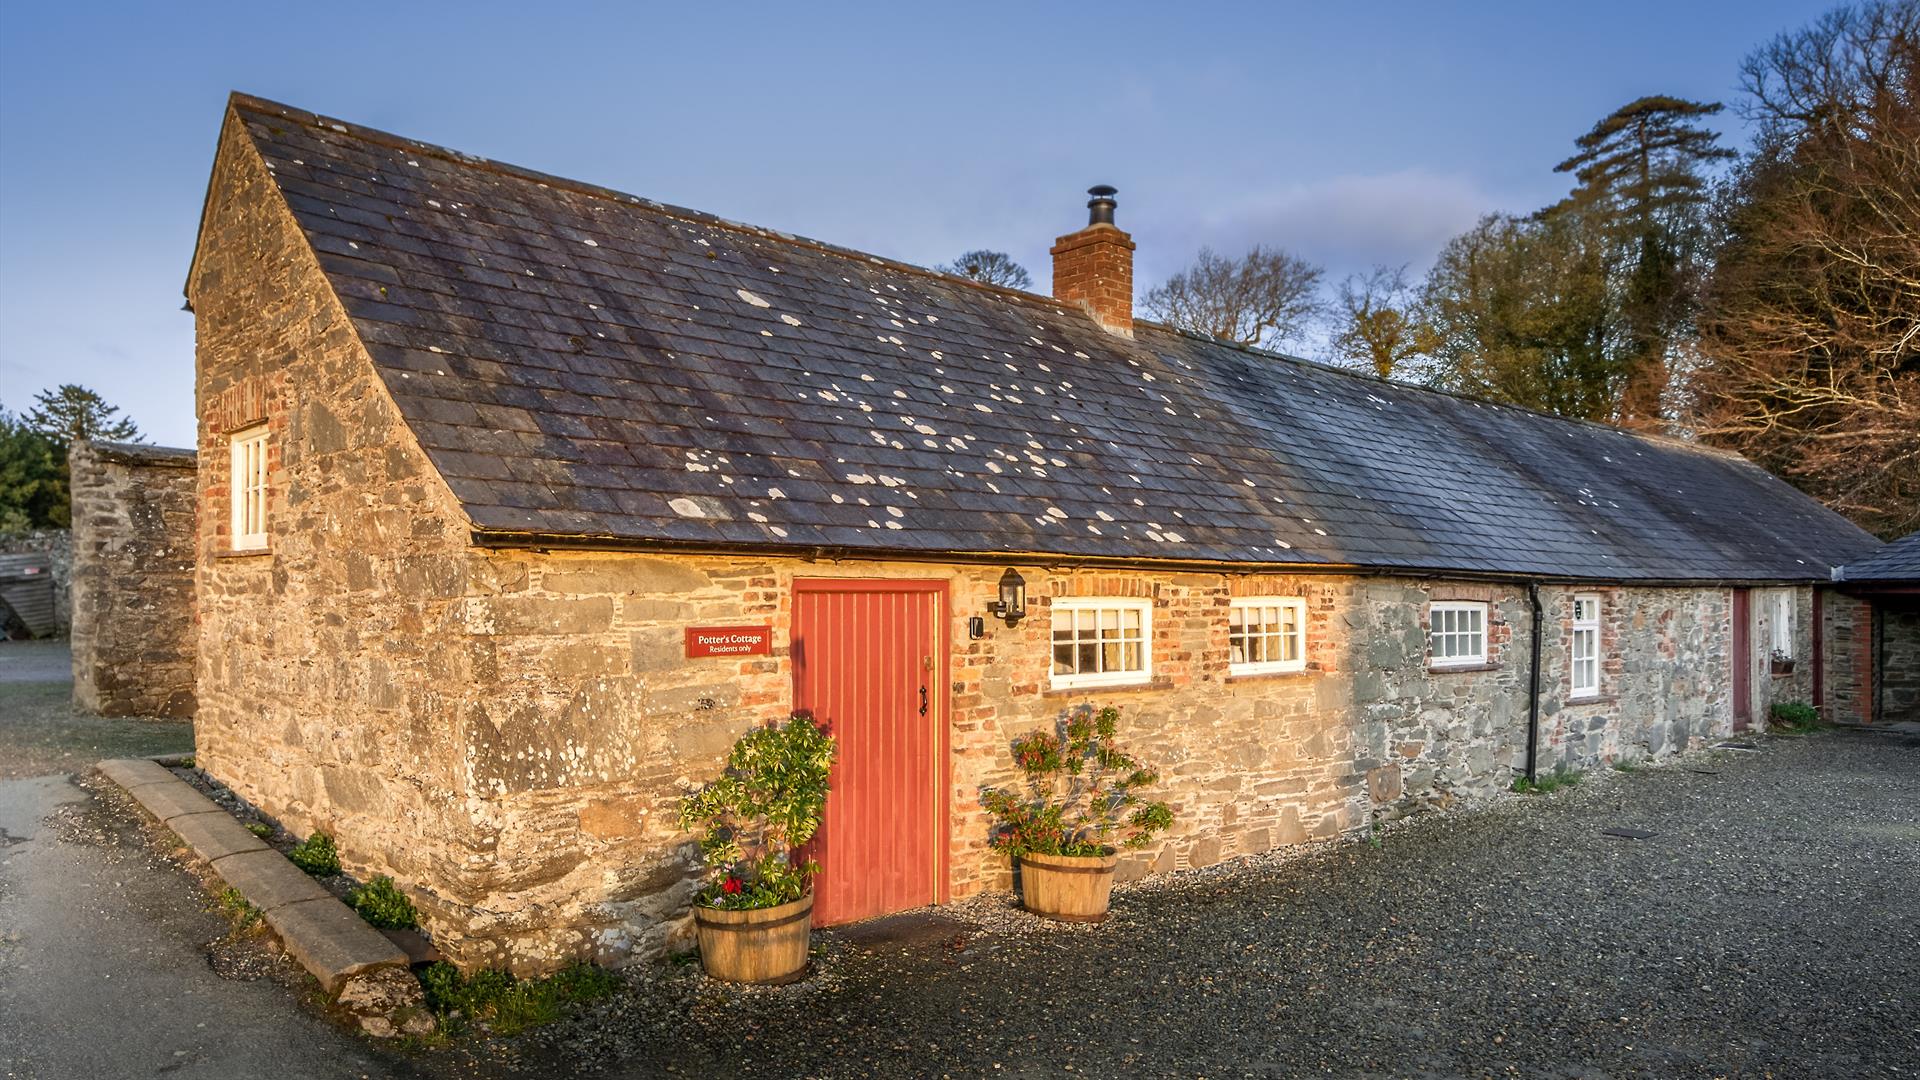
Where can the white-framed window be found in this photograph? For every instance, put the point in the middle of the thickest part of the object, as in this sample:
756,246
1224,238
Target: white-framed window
247,488
1457,633
1266,634
1586,645
1102,642
1783,624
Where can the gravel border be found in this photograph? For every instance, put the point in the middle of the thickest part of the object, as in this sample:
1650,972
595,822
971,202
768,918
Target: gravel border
1766,928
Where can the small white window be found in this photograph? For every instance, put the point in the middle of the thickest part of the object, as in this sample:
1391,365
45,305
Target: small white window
1783,624
1098,642
1457,633
1266,634
1586,646
247,489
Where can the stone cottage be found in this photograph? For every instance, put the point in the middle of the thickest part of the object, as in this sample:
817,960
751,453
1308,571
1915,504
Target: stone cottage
537,495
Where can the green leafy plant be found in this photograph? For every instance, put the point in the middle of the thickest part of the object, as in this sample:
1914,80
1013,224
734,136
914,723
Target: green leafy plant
316,855
381,903
260,829
1082,792
508,1005
754,818
1794,717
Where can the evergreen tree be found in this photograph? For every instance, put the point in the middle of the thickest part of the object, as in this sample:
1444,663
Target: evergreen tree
33,478
70,413
1642,177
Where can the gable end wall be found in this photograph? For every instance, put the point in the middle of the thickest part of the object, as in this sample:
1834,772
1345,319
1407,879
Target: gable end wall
329,668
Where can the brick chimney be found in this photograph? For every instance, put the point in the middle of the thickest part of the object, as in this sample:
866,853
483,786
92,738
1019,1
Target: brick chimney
1094,267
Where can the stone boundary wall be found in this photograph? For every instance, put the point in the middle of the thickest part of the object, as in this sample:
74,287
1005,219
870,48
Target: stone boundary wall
133,564
57,546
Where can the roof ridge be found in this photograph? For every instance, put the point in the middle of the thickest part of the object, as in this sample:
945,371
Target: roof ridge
624,198
1301,361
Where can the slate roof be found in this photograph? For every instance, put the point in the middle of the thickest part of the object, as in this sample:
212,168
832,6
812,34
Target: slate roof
581,363
1898,562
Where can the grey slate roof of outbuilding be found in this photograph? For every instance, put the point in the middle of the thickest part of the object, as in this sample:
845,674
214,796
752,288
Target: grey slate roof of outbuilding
580,363
1899,561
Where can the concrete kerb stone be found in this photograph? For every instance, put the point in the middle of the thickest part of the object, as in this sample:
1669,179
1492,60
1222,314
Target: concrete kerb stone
168,801
332,942
215,835
131,773
319,931
268,880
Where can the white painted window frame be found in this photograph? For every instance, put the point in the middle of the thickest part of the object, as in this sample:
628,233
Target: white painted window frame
1068,606
247,488
1782,623
1296,605
1438,608
1584,650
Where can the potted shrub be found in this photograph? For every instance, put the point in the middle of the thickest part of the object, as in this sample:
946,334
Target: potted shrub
754,912
1782,664
1081,805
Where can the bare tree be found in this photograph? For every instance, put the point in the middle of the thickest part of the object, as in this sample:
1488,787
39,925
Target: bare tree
990,268
1376,322
1810,329
1266,298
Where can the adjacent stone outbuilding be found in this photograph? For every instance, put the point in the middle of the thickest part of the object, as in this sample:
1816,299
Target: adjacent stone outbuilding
134,532
1873,674
534,496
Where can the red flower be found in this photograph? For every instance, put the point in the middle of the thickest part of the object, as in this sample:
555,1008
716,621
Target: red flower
731,885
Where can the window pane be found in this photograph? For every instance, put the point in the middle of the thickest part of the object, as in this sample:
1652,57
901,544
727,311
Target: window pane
1063,659
1130,618
1087,657
1134,657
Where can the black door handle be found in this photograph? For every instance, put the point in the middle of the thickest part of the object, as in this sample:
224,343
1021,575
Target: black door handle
923,701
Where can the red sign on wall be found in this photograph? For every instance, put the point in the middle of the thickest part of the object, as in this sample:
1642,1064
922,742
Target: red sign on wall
729,641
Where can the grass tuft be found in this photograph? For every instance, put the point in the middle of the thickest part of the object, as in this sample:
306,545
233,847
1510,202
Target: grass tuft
236,908
1560,777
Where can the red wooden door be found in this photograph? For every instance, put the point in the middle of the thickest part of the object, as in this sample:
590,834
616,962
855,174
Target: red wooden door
869,661
1742,660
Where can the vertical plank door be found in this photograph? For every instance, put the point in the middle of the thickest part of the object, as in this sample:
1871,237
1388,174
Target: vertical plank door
869,662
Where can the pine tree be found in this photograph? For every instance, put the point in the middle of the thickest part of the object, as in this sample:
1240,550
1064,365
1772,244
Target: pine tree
70,413
1642,176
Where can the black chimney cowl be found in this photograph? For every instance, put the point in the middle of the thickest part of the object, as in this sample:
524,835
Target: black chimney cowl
1100,207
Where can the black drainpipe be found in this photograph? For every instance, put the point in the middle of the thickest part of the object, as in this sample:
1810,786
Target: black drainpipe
1533,686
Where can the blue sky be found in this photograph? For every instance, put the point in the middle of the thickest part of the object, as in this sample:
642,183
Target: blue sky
1350,134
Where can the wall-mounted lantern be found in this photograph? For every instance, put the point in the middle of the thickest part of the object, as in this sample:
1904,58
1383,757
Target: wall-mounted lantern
1012,604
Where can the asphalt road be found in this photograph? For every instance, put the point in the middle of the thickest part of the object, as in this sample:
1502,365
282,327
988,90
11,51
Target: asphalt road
107,949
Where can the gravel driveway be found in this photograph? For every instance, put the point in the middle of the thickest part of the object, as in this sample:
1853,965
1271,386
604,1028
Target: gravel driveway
1770,928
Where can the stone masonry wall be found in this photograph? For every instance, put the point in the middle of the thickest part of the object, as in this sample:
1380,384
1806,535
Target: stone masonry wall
1900,662
1847,650
332,667
588,724
134,539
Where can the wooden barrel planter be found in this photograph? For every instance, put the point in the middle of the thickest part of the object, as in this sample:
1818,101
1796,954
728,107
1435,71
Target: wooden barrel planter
1072,888
755,945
